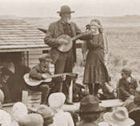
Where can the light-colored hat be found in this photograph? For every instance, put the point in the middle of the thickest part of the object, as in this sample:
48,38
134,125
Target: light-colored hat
45,111
32,119
65,9
5,118
56,100
118,117
19,110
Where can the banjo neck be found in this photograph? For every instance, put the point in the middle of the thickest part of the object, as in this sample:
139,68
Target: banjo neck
67,46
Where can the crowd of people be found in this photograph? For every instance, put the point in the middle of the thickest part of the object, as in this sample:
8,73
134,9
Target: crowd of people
61,36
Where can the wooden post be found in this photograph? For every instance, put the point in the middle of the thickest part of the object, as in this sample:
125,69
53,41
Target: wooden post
70,92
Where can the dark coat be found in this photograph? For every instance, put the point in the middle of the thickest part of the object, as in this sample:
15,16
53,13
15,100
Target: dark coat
125,89
37,71
54,31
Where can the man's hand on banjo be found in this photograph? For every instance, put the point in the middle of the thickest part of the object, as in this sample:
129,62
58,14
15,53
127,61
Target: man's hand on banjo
62,41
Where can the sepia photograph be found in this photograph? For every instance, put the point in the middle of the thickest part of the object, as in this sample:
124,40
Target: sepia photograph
69,63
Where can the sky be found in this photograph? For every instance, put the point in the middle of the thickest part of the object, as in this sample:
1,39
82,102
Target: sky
48,8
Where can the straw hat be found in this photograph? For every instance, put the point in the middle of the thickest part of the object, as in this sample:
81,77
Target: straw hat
118,117
19,110
5,118
65,9
56,100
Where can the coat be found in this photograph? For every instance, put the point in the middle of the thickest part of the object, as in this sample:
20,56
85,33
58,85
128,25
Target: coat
37,71
55,30
125,89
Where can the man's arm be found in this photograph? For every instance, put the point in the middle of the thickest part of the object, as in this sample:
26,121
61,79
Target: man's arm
35,74
49,39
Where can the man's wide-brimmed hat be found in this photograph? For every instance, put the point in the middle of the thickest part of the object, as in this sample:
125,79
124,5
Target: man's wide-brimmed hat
118,117
90,104
65,9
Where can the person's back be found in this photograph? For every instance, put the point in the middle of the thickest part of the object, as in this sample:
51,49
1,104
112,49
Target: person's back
135,115
62,118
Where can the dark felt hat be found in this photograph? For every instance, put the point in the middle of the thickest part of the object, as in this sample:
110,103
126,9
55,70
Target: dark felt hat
45,57
65,9
90,104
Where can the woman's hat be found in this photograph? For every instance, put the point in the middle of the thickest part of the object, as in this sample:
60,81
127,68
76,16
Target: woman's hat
65,9
119,117
90,104
45,111
56,100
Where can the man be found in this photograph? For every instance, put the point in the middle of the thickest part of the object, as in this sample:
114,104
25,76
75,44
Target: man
41,72
3,84
63,61
127,85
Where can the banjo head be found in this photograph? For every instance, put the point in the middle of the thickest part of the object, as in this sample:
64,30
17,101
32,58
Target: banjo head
67,46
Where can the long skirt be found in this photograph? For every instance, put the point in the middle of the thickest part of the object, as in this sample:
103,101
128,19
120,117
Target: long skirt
95,69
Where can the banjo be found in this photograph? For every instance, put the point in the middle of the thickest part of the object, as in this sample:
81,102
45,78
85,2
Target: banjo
65,47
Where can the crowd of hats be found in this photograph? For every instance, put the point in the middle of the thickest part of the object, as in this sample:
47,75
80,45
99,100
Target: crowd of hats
44,114
20,115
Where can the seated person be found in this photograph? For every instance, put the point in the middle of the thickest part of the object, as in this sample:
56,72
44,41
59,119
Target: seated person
41,72
3,84
134,108
127,85
90,111
61,118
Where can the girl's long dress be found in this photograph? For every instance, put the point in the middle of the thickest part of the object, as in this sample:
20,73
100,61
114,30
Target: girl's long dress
95,69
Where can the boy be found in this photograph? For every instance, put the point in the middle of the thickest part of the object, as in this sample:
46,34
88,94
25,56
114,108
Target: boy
56,102
127,85
41,72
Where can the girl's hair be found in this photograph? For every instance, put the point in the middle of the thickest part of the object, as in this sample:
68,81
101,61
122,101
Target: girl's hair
89,117
99,23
